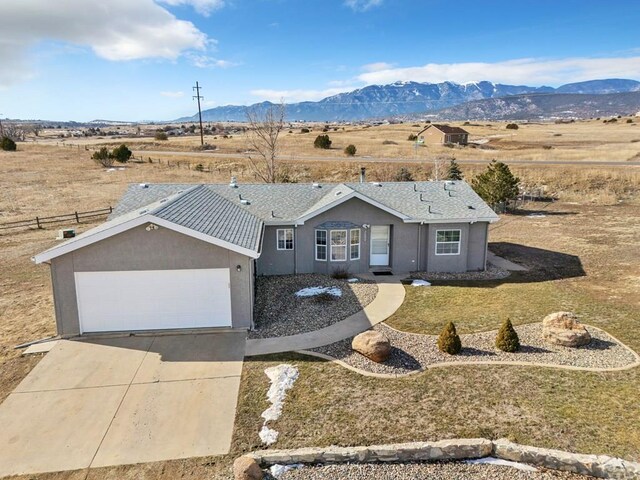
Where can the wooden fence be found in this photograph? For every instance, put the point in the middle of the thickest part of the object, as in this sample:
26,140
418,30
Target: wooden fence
39,222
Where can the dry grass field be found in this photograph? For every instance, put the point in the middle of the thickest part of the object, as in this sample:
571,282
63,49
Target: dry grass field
597,220
590,140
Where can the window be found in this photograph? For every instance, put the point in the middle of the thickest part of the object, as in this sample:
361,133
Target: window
338,245
321,245
285,238
355,244
447,242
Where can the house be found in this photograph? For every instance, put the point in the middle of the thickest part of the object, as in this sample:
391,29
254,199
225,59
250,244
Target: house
185,256
436,134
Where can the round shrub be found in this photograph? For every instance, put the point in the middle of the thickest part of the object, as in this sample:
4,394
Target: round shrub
322,141
412,137
122,154
449,341
160,135
7,144
507,339
350,150
304,130
512,126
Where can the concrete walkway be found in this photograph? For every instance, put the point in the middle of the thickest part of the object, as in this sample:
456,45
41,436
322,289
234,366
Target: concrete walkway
504,264
390,297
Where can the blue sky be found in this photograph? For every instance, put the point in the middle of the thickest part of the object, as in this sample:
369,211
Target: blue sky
137,59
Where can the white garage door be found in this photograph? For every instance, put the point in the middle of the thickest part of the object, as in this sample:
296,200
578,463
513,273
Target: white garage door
153,299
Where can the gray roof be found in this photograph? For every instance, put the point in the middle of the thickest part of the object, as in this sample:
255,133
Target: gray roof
287,203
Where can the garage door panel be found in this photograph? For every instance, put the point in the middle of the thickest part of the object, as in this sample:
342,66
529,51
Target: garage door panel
153,299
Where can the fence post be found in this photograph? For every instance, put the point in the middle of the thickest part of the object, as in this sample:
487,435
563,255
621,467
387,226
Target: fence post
38,222
77,218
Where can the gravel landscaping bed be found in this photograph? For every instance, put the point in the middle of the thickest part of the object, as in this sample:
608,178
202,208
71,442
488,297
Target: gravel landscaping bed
412,352
279,312
491,273
423,471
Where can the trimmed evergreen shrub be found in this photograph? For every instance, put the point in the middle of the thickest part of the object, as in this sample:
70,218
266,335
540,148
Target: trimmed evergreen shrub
122,154
449,341
7,144
507,339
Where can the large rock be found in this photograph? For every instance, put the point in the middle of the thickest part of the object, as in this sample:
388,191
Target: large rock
373,345
563,328
246,468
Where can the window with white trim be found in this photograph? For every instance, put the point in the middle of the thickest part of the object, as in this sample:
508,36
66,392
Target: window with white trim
354,244
284,237
321,245
338,245
448,242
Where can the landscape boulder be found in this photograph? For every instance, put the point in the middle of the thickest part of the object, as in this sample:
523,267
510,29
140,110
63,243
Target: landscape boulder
246,468
373,345
563,328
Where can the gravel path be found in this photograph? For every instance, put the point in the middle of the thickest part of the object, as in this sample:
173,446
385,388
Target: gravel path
279,312
413,352
423,471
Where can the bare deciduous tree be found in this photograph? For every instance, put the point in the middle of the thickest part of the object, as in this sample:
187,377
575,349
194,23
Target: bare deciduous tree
15,132
262,136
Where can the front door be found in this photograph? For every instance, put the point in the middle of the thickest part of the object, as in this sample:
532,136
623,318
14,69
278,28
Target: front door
379,245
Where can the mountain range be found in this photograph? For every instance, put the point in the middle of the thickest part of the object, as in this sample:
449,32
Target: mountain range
406,99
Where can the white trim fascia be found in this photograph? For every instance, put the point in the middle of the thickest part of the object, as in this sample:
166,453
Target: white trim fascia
135,222
454,220
343,199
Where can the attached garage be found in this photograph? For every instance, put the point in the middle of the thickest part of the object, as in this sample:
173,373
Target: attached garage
153,299
184,262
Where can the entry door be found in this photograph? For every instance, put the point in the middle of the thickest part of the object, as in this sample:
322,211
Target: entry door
153,299
379,245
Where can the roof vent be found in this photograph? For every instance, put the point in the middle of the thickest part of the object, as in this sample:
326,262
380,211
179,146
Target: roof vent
142,212
338,193
233,183
144,185
244,201
316,185
471,207
376,184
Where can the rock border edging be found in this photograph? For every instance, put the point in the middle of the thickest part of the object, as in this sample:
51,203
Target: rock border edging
600,466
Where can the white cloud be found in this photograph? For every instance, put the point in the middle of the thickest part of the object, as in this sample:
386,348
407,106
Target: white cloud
529,71
291,96
362,5
172,94
205,61
115,30
203,7
377,66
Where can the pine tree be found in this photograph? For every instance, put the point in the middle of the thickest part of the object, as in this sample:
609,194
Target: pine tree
449,341
350,150
7,144
507,339
322,141
454,172
403,175
497,184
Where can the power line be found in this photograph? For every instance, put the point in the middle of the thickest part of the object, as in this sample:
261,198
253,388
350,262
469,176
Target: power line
199,97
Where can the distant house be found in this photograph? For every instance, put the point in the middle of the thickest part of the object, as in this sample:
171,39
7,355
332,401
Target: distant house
436,134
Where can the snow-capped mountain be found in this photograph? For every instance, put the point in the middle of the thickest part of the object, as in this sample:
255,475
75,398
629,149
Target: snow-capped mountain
406,98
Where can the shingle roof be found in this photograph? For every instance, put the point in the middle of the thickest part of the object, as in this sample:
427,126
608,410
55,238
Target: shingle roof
446,128
282,203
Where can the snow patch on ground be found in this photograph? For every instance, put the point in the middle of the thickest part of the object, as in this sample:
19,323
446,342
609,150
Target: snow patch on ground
282,379
353,280
536,215
504,463
420,283
277,469
313,291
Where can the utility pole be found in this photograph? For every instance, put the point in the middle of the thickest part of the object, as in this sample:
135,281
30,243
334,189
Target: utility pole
198,97
1,129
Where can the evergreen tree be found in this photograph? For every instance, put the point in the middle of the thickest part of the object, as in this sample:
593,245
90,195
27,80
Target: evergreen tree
454,172
403,175
7,144
322,141
449,341
497,184
507,339
122,154
350,150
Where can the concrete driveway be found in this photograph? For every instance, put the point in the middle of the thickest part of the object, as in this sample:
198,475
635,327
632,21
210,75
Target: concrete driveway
102,402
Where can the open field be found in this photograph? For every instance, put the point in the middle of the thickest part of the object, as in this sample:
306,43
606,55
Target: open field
578,141
586,259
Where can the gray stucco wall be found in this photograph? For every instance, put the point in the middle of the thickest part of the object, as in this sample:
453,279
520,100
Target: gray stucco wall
472,248
137,249
477,246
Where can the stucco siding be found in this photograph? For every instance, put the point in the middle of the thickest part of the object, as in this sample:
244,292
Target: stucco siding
477,246
447,263
137,249
273,261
